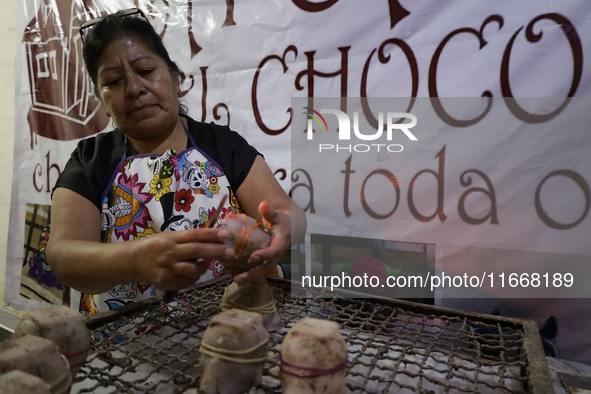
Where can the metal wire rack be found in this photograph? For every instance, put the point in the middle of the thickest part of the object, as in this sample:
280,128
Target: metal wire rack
394,346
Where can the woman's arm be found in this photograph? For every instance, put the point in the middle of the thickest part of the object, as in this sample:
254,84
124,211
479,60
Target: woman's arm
261,197
79,259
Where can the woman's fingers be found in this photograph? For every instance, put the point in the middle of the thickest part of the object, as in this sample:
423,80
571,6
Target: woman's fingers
269,214
199,235
270,253
184,274
280,224
203,243
169,259
273,252
187,269
193,251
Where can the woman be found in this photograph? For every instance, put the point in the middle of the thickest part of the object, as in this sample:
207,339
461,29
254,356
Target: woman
158,172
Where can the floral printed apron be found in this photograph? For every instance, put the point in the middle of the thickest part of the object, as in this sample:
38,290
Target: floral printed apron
154,193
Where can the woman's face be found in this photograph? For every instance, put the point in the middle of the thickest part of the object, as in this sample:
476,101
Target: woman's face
137,89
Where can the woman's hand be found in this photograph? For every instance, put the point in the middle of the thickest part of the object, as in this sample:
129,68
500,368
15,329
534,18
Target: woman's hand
79,259
169,259
260,196
279,223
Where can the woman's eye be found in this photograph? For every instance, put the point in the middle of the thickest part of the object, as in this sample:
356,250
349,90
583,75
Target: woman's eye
146,71
113,82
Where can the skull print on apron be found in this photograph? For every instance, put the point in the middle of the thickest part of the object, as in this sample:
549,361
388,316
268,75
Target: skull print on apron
154,193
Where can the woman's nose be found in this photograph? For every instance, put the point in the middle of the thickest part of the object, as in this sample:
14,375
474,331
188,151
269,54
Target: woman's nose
134,85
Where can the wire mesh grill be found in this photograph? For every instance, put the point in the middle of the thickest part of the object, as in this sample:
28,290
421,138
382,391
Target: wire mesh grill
394,346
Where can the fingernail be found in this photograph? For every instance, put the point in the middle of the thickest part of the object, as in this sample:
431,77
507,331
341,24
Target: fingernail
229,253
222,234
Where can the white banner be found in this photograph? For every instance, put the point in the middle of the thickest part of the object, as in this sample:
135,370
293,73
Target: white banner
244,61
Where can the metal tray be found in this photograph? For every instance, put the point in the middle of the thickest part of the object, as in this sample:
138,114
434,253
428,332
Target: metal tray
395,346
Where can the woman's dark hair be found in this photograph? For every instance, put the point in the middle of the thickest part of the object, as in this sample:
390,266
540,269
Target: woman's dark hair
118,25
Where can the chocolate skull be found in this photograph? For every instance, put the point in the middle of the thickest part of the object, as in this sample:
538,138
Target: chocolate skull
245,235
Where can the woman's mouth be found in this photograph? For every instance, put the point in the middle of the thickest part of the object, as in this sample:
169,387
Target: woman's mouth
141,108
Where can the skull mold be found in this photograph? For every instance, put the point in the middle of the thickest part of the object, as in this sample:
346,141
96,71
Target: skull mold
313,358
245,235
233,352
253,297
